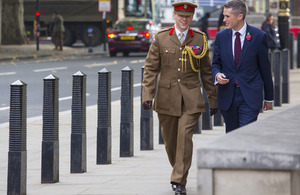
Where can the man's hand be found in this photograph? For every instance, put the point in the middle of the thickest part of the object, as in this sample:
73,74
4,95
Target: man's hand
267,105
213,111
221,78
147,105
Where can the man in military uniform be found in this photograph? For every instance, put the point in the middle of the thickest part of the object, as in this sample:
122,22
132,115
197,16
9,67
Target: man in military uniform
58,31
179,54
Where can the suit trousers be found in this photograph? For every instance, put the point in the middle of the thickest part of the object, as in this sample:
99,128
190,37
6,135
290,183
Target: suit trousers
239,114
177,133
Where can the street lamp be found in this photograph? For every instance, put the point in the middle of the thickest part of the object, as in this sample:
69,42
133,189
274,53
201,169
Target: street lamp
283,23
37,16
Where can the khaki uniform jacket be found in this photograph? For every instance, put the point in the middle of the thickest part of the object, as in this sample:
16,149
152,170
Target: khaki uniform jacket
177,82
58,24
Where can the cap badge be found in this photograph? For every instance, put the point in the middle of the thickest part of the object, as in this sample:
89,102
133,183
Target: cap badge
185,6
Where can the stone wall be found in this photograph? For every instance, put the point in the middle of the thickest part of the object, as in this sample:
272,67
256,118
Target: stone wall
262,158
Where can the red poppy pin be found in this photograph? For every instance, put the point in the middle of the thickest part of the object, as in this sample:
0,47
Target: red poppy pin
248,37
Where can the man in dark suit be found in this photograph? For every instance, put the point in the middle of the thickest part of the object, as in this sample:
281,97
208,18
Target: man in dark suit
241,68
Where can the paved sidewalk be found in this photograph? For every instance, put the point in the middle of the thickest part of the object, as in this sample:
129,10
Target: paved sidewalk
21,52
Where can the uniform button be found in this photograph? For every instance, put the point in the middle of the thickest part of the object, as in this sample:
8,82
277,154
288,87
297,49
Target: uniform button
180,48
178,80
178,69
166,51
179,59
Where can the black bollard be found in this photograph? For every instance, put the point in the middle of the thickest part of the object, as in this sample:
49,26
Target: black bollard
206,118
146,125
126,126
104,117
50,143
298,50
271,61
78,134
277,78
90,35
17,153
291,48
285,76
283,23
160,139
218,119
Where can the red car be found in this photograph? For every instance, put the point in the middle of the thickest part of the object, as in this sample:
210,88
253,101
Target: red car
131,35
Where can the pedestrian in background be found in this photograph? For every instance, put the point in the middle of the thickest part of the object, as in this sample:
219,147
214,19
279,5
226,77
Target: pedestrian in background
241,68
221,23
272,34
204,24
179,54
58,31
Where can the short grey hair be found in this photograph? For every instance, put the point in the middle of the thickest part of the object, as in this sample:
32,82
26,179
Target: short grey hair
238,7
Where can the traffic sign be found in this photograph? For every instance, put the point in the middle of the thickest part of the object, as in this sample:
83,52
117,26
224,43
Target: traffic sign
104,6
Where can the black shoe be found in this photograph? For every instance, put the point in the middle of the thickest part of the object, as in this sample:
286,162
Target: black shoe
174,186
180,190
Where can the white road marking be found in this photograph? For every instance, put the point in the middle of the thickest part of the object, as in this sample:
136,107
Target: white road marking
69,97
7,73
116,89
4,108
112,63
60,99
137,85
137,61
50,69
119,88
100,64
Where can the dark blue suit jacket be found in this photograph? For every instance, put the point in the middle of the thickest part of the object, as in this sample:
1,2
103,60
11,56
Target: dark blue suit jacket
253,72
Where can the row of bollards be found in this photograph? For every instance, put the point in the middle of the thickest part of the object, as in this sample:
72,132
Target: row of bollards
17,160
280,63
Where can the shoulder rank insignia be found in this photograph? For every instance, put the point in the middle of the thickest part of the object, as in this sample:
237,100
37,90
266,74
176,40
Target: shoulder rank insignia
191,32
172,30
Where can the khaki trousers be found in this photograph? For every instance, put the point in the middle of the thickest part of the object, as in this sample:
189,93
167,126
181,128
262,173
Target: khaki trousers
177,133
58,40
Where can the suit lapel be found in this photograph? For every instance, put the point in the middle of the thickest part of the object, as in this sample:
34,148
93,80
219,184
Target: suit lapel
228,44
245,47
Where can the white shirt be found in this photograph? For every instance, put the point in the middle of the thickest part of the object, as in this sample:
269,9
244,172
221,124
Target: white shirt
184,33
242,32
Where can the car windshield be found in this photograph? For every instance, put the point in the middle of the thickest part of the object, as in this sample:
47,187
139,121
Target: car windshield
137,25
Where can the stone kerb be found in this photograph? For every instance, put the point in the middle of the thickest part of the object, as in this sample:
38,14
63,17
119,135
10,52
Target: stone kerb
262,158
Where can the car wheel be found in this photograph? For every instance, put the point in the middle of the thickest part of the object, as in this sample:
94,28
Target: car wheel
125,54
112,53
